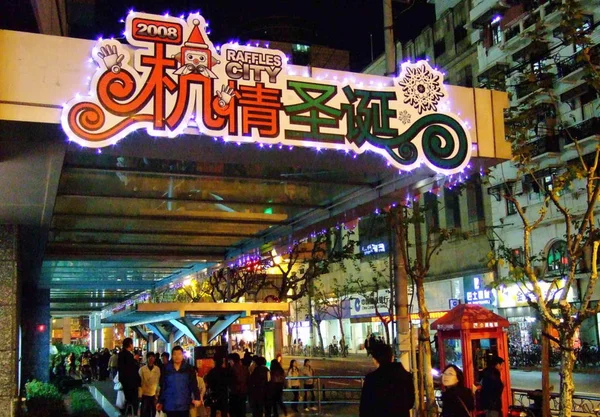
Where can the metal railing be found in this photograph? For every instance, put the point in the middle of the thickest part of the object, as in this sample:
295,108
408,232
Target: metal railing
582,404
325,395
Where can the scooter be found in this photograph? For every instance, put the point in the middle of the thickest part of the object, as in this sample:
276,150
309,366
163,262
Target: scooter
534,409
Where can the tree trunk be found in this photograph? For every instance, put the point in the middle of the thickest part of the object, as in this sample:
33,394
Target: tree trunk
341,330
545,369
290,327
430,405
320,335
567,387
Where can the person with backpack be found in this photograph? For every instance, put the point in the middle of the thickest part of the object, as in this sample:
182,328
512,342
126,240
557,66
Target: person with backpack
388,391
218,381
275,395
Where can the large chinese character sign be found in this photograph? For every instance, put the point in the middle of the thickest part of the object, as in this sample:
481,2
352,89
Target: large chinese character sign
173,80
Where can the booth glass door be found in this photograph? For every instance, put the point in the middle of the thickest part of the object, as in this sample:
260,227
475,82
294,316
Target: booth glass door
482,350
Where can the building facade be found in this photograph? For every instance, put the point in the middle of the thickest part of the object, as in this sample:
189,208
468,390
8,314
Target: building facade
508,57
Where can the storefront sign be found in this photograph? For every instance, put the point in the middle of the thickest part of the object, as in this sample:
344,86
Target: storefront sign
365,307
373,249
476,292
173,80
512,296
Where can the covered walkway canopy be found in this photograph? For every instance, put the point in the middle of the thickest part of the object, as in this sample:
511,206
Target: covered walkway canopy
201,322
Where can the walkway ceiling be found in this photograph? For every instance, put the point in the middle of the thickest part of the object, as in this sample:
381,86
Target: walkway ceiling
139,214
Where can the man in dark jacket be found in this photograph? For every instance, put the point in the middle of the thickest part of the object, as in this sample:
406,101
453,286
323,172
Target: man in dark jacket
239,386
492,387
178,384
388,391
257,387
218,381
129,376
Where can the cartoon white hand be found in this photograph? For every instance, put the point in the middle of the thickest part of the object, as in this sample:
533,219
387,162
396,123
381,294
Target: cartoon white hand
225,95
112,60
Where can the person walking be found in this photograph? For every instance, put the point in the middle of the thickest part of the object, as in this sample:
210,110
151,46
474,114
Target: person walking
238,390
113,364
257,386
275,394
457,399
200,410
294,384
178,385
388,391
129,376
309,385
217,381
150,377
103,365
492,387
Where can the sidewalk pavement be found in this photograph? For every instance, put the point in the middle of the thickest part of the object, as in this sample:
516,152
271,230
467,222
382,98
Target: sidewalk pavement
106,396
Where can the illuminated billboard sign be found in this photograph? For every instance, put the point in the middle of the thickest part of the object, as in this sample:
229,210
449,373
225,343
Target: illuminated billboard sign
172,80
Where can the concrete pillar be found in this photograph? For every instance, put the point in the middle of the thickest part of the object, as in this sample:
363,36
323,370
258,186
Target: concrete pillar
9,317
35,335
66,331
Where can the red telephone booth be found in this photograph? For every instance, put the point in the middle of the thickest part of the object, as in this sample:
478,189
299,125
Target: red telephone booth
468,336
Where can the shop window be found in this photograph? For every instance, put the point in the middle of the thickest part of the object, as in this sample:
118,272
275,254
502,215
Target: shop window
432,216
558,257
452,209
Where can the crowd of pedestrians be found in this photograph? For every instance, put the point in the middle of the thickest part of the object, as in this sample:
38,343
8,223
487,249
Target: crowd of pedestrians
170,385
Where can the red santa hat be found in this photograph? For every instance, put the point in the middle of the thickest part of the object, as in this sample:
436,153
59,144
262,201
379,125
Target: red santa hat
196,40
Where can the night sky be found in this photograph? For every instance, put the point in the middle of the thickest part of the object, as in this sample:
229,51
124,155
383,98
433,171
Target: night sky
344,24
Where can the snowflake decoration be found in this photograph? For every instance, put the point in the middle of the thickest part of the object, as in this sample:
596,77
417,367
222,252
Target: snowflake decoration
404,117
421,88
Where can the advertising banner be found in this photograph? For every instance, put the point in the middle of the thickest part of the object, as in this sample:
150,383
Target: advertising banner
172,80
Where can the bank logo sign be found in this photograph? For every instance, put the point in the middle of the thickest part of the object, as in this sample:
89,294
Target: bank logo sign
173,80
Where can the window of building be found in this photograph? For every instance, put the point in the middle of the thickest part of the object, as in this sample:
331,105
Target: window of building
452,209
373,235
496,33
460,33
475,201
558,257
465,77
334,241
518,256
439,48
586,27
511,208
432,216
300,54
